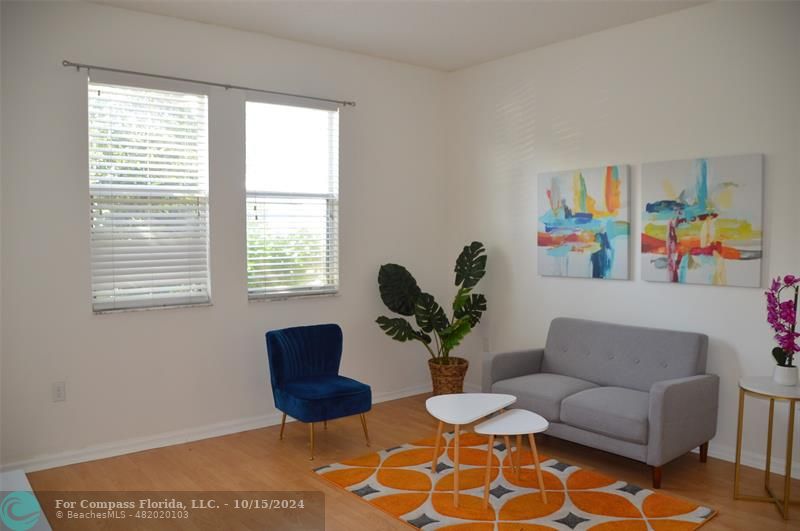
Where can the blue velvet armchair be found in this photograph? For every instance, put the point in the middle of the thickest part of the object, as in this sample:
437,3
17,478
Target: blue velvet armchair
306,385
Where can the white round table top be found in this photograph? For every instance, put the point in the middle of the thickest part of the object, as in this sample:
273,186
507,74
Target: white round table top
464,408
513,422
765,385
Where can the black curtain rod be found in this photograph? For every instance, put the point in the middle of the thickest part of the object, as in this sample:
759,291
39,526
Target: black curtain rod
78,67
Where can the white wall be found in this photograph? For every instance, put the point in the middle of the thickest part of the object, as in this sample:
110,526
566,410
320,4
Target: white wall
712,80
132,376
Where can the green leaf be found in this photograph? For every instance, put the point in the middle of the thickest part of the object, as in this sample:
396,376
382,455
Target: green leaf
430,316
401,330
780,356
470,265
453,334
460,299
472,309
399,289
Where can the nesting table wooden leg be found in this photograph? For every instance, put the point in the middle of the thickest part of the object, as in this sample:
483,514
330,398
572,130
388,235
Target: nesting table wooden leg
436,447
456,449
488,478
538,467
510,456
517,422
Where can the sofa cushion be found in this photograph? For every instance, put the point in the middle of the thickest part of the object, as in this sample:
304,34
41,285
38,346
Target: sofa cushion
541,393
613,411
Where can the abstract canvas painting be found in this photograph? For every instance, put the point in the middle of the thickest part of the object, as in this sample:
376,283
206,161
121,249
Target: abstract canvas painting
701,221
584,223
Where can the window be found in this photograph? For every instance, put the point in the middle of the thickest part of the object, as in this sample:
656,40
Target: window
292,159
148,183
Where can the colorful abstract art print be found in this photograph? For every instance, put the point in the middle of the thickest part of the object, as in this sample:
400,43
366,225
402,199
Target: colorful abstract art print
702,222
584,223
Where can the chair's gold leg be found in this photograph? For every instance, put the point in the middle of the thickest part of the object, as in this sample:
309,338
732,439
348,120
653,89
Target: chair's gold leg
436,447
311,434
283,425
487,478
538,467
364,425
519,455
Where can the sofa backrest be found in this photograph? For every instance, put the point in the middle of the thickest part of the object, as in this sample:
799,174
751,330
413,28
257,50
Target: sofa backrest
621,355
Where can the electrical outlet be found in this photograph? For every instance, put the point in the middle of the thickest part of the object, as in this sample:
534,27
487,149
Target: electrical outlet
59,392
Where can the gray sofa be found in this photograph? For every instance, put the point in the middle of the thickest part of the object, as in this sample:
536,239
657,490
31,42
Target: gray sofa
637,392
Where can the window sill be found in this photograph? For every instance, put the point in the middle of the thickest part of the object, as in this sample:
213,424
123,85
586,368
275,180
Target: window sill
151,308
278,297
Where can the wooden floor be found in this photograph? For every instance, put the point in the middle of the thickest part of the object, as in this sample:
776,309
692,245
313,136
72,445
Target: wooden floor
257,460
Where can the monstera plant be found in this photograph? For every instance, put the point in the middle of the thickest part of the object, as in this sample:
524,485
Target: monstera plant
431,325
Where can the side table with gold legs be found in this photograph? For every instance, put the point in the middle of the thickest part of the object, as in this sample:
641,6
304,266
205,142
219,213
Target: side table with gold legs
764,387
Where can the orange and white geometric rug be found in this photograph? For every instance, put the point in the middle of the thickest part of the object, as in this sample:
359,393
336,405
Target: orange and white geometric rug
400,482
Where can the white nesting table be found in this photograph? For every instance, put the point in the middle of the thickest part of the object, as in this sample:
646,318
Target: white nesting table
460,409
765,387
517,422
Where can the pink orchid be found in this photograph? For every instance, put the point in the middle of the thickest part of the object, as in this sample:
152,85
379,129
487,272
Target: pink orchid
782,317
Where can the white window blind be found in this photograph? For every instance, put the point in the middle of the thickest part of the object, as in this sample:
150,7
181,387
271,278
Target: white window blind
148,182
292,167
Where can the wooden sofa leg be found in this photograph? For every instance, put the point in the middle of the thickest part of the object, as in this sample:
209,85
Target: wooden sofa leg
656,477
704,452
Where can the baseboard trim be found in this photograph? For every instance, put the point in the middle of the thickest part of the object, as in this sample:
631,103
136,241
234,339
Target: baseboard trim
751,459
139,444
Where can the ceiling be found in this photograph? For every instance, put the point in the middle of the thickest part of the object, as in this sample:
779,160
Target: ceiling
445,35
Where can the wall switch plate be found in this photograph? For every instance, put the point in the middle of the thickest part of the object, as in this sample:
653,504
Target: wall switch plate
59,391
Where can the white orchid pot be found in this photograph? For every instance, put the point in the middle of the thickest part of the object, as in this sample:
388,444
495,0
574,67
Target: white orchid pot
785,375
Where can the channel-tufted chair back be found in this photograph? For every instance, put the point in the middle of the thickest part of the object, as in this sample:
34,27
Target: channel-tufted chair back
302,352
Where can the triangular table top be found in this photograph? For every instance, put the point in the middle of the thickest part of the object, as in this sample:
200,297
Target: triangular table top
513,422
464,408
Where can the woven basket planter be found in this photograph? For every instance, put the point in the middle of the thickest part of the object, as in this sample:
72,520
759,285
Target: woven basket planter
448,379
